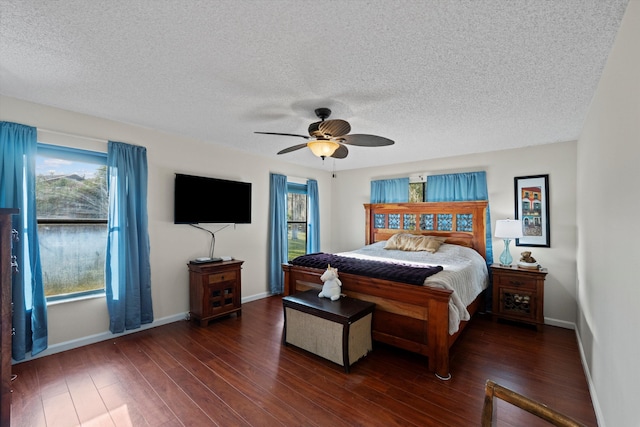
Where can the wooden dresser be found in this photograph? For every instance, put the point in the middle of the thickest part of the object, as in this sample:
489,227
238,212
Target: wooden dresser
214,290
6,270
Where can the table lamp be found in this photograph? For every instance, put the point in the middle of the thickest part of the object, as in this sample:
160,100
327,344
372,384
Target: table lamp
507,229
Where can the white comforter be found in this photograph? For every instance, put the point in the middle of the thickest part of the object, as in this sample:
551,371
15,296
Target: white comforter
465,272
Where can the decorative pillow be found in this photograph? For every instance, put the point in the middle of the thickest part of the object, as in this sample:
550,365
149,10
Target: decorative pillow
411,242
434,243
414,243
396,241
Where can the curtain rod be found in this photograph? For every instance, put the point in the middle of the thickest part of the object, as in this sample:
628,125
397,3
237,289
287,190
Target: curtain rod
72,135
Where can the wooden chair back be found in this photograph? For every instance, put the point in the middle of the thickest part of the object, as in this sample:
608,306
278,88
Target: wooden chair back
493,390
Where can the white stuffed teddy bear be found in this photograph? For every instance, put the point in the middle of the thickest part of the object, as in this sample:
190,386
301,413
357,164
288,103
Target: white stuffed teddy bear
331,284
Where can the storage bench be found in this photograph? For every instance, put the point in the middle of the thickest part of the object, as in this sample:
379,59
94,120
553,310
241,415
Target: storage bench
339,331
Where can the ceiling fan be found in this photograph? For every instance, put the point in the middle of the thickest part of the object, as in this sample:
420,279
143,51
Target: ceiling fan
329,138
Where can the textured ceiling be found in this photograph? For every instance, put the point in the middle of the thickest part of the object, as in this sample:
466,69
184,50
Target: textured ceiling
439,77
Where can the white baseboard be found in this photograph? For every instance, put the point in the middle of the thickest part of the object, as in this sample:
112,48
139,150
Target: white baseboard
585,366
559,323
255,297
592,389
104,336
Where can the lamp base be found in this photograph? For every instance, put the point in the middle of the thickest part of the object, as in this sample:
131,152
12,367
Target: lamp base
505,257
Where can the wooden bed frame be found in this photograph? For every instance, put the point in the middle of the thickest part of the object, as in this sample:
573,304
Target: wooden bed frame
414,318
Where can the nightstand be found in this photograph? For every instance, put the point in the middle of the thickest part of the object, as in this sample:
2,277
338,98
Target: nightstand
214,290
518,294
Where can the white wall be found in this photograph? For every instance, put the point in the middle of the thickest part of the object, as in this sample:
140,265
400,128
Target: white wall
351,190
341,202
172,246
608,208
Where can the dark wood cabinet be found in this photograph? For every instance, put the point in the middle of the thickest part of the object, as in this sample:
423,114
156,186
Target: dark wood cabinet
214,290
6,271
518,294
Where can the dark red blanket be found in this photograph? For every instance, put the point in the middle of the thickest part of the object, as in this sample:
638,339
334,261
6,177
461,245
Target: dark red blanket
381,270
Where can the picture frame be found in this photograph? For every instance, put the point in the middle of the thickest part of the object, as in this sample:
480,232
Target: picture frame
531,197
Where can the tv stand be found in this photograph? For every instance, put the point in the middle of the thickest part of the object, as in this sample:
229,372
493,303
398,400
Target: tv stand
214,290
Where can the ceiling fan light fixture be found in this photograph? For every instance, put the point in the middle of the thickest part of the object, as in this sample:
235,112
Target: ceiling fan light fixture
323,147
329,138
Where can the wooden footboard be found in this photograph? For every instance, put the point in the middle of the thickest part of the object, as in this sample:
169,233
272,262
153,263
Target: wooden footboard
414,318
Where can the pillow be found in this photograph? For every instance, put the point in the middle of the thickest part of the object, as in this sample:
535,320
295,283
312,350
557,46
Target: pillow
434,243
411,242
414,243
396,241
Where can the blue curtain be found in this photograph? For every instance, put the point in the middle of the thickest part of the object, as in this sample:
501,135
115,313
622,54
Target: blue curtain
313,237
18,190
128,268
459,187
390,190
277,231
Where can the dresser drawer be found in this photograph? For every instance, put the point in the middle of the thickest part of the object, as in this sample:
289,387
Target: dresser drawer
515,281
221,277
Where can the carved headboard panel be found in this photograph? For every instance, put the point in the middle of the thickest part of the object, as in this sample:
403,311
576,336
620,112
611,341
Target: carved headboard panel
462,223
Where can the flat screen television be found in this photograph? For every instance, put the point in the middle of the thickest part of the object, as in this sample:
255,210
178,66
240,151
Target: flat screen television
200,199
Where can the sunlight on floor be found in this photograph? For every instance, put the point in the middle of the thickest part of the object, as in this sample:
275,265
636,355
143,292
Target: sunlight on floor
118,417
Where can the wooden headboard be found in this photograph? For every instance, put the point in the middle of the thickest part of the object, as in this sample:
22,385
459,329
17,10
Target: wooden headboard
462,223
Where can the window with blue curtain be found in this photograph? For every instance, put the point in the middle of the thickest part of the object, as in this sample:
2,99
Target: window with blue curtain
297,208
303,218
390,190
294,224
72,204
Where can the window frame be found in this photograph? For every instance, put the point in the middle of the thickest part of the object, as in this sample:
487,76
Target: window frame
80,155
296,188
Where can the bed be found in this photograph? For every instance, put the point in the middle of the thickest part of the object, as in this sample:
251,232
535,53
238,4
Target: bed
416,318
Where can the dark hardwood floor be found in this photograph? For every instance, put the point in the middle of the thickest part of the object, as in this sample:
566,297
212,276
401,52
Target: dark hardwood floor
236,372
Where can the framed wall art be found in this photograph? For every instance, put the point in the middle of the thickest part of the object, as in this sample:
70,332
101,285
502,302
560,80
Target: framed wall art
532,208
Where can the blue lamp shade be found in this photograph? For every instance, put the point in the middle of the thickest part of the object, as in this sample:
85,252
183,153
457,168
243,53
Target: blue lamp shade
506,230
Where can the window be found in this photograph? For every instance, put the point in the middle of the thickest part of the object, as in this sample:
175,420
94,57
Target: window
296,220
417,191
72,204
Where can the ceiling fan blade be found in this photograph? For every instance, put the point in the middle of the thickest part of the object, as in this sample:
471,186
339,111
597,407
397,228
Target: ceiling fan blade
284,134
364,140
292,148
334,128
341,152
